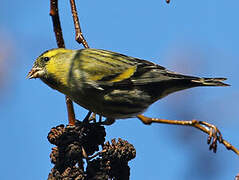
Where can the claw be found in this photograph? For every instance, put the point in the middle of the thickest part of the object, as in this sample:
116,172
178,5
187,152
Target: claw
214,136
213,146
220,139
209,137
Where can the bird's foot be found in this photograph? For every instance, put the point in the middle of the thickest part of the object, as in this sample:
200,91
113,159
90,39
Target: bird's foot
214,136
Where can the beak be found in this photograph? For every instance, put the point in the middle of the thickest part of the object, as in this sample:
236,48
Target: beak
35,72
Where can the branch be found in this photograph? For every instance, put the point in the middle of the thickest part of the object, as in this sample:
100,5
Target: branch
78,33
60,43
56,23
213,132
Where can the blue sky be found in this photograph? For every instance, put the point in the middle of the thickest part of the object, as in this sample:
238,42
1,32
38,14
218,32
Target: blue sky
192,37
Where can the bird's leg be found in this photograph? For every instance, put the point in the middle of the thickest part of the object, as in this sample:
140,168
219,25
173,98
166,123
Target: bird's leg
100,119
213,132
93,118
86,119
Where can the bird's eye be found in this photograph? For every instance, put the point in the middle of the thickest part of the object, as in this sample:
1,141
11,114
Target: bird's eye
46,59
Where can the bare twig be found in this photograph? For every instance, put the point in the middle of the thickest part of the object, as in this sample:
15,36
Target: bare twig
210,129
70,111
60,43
56,23
78,33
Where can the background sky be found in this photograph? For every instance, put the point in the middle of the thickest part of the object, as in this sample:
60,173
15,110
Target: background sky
192,37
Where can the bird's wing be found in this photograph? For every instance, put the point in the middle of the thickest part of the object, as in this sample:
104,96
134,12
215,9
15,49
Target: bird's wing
153,74
106,68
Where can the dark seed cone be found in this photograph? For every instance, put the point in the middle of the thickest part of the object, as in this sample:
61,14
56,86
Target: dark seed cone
122,150
91,135
70,142
113,161
88,135
73,143
73,173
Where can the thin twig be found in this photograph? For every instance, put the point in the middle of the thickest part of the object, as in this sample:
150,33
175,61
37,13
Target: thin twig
56,23
70,111
78,33
60,43
210,129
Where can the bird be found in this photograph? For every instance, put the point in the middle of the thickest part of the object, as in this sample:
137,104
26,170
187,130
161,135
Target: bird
111,84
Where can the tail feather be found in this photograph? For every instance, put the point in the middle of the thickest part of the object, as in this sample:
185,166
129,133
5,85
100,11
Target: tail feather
210,81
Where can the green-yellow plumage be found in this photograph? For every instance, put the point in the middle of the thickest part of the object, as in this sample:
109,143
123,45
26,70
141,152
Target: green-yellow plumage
108,83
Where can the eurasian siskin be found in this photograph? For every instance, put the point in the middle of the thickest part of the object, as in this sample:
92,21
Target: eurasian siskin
110,84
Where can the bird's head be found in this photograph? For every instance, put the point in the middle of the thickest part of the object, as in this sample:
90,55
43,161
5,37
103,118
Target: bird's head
47,63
